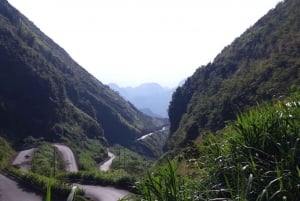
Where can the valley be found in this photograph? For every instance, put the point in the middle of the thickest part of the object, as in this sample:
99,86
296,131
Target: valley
231,131
151,98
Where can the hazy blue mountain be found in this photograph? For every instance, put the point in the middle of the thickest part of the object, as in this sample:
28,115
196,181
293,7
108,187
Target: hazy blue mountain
149,112
150,98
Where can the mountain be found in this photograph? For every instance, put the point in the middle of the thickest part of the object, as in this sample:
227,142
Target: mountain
151,98
149,112
152,144
45,93
260,65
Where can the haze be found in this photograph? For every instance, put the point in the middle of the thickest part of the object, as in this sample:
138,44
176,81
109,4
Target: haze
130,42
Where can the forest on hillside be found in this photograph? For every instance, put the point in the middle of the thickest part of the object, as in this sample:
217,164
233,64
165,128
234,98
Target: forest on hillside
260,65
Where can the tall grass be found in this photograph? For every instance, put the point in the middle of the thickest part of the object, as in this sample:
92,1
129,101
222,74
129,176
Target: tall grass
256,158
6,153
259,156
165,185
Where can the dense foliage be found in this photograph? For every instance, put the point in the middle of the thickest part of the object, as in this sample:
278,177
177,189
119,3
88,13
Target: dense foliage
129,161
6,152
256,158
44,93
117,178
164,185
40,183
152,145
89,153
46,159
259,65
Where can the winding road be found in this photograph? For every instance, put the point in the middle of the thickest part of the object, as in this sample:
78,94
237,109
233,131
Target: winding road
96,193
152,133
106,165
11,191
68,157
23,159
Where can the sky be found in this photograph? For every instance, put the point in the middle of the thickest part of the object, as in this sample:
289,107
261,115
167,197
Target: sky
129,42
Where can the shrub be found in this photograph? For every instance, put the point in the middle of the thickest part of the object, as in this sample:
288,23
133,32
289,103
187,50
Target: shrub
117,178
45,159
6,152
40,183
259,156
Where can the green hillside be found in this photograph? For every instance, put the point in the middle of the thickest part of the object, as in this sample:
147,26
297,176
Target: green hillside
45,93
260,65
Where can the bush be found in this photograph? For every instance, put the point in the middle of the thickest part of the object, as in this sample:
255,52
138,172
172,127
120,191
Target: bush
39,183
6,152
166,185
259,156
46,158
129,161
117,178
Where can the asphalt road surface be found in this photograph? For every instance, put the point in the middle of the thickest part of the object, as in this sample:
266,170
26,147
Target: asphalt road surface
96,193
68,157
11,191
106,165
23,159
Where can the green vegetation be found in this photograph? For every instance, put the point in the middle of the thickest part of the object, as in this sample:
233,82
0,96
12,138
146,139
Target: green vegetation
46,94
256,158
130,161
6,153
44,178
258,66
117,178
31,142
45,160
152,146
89,153
41,183
164,185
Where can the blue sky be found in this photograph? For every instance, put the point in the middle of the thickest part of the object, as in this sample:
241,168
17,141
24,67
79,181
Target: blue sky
130,42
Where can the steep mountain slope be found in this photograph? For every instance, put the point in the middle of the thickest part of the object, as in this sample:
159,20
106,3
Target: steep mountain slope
152,144
259,65
151,98
44,93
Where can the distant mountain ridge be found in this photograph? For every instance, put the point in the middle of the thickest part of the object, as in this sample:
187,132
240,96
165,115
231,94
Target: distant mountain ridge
45,93
151,98
260,65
